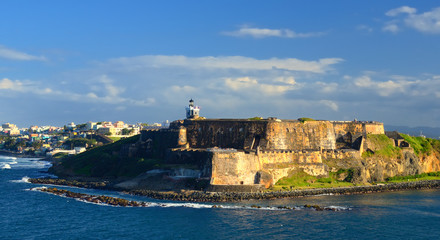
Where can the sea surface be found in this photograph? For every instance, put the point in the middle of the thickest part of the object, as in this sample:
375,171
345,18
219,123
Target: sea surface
30,214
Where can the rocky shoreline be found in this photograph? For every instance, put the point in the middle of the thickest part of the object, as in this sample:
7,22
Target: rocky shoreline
120,202
202,196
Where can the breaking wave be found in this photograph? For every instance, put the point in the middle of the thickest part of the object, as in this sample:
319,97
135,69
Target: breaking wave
6,166
24,179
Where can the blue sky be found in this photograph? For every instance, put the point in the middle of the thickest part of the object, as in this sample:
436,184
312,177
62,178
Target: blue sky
141,61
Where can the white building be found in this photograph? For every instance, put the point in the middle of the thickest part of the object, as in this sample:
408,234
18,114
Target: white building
192,112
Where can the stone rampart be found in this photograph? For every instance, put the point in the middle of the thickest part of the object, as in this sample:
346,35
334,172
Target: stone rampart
238,134
300,135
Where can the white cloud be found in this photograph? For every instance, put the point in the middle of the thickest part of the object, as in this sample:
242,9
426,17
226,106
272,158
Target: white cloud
287,80
111,90
404,9
251,86
16,55
11,85
245,31
327,87
224,62
387,88
391,27
111,97
427,22
331,104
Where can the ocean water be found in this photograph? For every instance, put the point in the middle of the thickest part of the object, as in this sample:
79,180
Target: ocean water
26,214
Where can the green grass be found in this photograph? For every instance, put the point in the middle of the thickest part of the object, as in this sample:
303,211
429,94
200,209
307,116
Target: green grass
60,155
384,147
255,118
417,177
302,180
422,145
115,138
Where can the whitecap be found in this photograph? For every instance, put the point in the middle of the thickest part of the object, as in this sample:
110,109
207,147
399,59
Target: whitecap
6,166
24,179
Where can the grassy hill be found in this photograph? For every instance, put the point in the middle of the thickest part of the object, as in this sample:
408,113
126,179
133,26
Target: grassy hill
104,162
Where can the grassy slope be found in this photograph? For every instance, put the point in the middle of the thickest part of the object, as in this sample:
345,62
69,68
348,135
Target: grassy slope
384,149
105,161
301,180
382,146
422,145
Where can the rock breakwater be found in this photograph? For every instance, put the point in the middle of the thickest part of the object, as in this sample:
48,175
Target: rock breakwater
203,196
120,202
198,196
71,183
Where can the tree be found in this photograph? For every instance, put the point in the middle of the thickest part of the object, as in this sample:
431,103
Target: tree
37,145
127,131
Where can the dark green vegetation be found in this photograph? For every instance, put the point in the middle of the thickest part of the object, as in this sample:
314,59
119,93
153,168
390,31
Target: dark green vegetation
79,142
305,119
422,145
382,146
105,161
255,118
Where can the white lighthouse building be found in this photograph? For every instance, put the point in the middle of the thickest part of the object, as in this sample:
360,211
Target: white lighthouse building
192,112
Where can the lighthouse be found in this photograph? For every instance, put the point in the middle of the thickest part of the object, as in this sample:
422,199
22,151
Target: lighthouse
192,112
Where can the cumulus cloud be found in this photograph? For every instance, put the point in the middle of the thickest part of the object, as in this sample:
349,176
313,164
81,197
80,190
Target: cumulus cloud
110,98
8,84
427,22
225,62
384,88
246,31
252,86
16,55
399,86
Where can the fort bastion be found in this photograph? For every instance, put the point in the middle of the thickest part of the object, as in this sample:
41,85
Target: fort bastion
255,152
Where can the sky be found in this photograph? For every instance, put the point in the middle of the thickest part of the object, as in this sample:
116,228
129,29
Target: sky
141,61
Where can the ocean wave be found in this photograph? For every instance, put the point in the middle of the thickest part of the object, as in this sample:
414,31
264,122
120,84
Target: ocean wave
6,166
24,179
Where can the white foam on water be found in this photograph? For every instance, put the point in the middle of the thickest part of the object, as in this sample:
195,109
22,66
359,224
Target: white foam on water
340,208
6,166
24,179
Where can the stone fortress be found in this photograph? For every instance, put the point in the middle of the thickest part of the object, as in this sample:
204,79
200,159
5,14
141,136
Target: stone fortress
255,152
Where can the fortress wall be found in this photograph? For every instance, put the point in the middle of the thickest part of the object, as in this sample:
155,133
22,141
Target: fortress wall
234,168
350,131
238,134
341,154
374,128
298,136
272,159
240,168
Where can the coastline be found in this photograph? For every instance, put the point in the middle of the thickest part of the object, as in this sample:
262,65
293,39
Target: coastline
203,196
16,154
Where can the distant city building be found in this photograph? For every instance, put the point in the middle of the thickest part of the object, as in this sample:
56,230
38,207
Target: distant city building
71,125
166,124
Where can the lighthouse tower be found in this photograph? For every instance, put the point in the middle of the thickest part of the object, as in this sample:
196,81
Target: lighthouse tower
192,112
